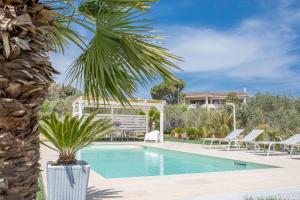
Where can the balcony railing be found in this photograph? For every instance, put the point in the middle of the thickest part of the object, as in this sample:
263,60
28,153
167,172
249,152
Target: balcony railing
209,106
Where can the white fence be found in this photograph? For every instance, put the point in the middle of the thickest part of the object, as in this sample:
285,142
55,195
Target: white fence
127,122
136,123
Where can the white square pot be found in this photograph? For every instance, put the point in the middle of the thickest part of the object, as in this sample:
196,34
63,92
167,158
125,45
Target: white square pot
67,182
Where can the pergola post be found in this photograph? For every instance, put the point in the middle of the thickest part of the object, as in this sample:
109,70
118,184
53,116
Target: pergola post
112,114
147,121
206,101
80,108
161,126
146,111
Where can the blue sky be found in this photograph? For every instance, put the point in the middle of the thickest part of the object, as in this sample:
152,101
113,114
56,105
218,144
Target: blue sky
227,44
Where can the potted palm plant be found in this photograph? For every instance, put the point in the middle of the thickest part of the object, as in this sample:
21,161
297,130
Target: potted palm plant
67,178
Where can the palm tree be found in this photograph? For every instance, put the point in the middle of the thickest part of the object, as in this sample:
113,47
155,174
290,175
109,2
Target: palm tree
70,134
121,54
154,116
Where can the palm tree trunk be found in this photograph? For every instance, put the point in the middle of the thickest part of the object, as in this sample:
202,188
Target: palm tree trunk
25,74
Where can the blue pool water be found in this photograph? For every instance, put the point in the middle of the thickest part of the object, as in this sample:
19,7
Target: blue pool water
120,161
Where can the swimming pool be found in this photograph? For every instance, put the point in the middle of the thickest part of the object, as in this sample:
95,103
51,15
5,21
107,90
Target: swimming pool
121,161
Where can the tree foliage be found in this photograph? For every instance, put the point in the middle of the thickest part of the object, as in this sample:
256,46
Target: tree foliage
60,99
279,116
171,92
233,98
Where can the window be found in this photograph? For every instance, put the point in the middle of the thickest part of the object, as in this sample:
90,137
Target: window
199,102
216,101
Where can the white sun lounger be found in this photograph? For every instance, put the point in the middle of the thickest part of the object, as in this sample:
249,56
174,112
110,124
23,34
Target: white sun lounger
232,137
250,137
152,136
292,142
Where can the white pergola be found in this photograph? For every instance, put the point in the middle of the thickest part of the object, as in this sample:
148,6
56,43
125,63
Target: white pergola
128,122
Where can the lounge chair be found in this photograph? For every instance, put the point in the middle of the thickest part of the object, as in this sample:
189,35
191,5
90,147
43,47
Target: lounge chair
250,137
152,136
292,142
232,137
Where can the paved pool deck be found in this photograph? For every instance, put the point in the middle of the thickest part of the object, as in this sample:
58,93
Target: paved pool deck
230,185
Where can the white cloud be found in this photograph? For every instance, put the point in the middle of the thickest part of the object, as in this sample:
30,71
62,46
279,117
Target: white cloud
257,48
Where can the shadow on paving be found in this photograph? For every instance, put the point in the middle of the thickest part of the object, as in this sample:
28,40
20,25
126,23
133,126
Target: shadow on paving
95,194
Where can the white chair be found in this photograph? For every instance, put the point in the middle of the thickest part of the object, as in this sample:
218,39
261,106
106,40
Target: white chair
290,142
250,137
152,136
232,137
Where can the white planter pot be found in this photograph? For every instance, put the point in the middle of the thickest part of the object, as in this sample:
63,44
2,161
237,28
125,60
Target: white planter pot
67,182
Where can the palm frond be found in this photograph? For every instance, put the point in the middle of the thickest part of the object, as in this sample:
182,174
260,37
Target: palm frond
137,4
117,4
63,33
121,55
70,134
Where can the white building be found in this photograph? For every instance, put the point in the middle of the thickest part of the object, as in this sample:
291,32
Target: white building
212,100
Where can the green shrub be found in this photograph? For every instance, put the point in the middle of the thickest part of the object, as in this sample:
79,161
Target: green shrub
193,133
168,131
218,124
200,132
177,132
41,194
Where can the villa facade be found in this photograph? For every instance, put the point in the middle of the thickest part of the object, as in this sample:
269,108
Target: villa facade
212,100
